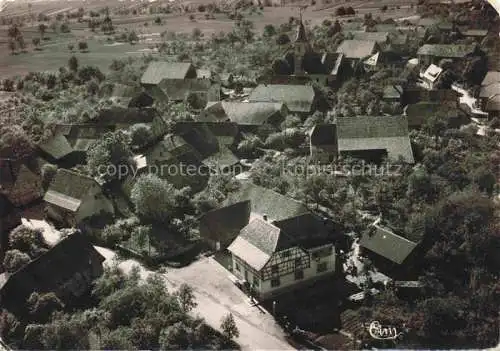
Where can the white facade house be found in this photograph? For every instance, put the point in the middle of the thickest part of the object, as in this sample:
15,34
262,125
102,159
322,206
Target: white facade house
272,261
430,76
72,197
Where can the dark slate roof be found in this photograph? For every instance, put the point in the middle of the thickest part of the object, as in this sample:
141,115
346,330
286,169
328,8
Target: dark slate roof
221,159
258,240
48,272
213,112
331,62
20,180
493,104
225,132
447,50
306,230
323,134
157,71
124,115
375,132
68,189
178,90
387,244
172,149
224,224
357,49
301,33
267,202
297,98
201,139
56,146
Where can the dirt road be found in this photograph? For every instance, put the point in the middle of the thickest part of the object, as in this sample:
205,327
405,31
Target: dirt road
216,296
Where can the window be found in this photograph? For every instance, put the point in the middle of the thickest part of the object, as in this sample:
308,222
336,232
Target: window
286,253
255,281
299,274
321,267
274,269
297,262
275,282
237,267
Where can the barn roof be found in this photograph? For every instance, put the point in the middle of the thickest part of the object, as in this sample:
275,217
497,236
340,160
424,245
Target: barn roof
387,244
375,132
68,189
298,98
447,50
357,49
159,70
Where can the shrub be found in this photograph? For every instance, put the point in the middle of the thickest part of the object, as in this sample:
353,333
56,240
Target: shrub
83,46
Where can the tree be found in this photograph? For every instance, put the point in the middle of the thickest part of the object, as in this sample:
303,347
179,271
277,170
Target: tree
340,11
88,73
14,260
336,28
12,46
21,42
109,155
228,327
73,64
197,33
186,297
154,199
485,179
13,32
83,46
140,135
283,39
41,306
42,28
350,11
175,337
133,37
107,24
27,240
36,42
65,28
48,173
269,31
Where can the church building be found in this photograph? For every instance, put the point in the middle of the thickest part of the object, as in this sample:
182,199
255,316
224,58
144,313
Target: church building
301,64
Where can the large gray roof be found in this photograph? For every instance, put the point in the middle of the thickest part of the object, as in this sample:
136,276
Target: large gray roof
251,113
357,49
387,244
159,70
267,202
375,132
447,50
298,98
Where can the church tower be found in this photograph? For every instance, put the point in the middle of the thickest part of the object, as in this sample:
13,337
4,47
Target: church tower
301,47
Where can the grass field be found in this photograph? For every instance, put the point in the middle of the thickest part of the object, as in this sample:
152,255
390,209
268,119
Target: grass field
55,52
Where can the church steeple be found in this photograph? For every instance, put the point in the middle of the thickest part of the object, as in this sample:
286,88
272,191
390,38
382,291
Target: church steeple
301,32
301,47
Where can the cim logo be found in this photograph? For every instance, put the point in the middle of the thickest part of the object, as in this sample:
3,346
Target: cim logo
383,332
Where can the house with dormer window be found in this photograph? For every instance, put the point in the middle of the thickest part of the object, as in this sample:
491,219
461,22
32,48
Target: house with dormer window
276,244
273,257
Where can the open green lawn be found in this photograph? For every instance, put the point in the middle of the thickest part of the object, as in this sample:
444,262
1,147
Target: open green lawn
55,54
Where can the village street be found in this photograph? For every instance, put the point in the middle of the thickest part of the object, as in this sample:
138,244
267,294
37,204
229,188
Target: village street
216,296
